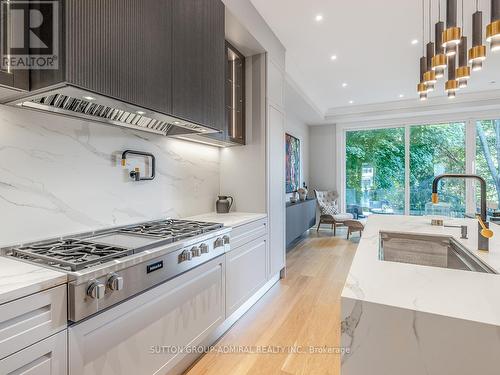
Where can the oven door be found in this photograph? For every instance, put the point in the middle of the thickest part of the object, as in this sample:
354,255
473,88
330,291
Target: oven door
133,337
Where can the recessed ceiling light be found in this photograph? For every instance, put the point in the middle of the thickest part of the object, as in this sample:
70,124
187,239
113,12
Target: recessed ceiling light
414,41
140,112
319,18
333,57
176,122
351,101
344,84
88,98
401,95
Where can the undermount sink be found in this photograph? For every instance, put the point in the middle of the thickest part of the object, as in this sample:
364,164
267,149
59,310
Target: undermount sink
428,250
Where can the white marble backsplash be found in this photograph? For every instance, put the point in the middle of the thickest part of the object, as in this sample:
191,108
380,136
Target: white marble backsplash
60,175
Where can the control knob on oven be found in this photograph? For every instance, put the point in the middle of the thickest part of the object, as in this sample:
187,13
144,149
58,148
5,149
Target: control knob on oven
185,255
204,248
115,282
218,242
96,290
196,251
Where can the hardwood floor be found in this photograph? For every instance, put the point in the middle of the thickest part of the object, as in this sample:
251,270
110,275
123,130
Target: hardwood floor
301,310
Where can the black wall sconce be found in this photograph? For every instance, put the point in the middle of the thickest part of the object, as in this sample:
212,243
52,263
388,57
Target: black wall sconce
136,174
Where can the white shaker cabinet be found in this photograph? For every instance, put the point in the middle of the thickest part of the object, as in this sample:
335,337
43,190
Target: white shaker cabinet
47,357
246,273
128,339
27,320
246,264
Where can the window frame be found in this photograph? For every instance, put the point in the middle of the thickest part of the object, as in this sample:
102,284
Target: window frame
470,149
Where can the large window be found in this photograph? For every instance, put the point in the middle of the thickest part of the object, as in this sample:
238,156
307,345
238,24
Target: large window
390,170
488,160
375,171
437,149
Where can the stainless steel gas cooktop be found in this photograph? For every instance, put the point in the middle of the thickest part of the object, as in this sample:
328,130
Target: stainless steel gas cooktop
110,266
75,254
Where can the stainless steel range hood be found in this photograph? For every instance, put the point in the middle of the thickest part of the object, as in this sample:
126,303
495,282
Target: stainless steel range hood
72,101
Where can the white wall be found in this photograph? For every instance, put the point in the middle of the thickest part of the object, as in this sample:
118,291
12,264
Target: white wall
275,133
251,20
299,110
60,176
323,157
243,168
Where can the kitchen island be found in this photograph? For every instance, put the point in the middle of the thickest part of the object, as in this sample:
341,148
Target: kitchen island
400,318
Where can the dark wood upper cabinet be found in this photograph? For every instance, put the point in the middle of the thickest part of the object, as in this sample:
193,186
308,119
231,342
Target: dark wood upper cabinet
16,78
122,49
199,61
163,55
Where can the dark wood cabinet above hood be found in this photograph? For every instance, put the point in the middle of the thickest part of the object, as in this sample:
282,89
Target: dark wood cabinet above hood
164,58
199,61
122,48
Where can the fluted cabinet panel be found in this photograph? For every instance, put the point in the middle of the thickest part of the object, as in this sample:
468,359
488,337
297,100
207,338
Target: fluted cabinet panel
107,40
199,61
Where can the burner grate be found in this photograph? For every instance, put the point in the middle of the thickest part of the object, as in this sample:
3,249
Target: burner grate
70,254
172,228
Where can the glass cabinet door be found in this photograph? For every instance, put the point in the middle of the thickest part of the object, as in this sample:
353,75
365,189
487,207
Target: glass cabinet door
235,94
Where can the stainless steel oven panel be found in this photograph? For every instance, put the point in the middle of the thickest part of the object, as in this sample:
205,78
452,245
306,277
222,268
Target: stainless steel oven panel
136,279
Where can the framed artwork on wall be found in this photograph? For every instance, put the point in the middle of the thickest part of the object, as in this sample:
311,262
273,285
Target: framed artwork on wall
292,165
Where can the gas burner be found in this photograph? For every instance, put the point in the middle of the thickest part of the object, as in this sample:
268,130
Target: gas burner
173,229
70,254
75,254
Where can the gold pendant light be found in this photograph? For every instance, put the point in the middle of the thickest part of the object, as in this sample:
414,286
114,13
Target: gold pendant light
450,50
429,75
421,86
452,34
451,86
422,91
493,29
477,53
429,79
438,62
463,71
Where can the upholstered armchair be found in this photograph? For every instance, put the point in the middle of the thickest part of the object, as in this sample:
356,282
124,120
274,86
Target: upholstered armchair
329,211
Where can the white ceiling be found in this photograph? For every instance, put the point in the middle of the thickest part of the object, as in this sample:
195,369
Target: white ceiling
372,42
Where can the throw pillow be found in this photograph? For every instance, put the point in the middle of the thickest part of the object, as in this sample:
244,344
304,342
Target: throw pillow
329,210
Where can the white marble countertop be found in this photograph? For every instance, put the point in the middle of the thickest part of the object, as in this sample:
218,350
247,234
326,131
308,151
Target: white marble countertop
231,219
19,279
455,293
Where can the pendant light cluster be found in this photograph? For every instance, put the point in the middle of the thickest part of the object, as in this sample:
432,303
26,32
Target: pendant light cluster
493,29
449,52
